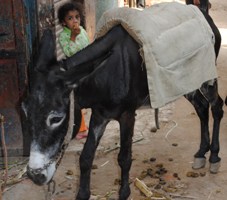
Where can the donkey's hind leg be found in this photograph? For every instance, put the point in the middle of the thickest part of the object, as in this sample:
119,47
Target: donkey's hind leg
201,106
210,91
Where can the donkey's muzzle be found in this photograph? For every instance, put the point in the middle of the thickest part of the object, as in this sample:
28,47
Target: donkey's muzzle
37,178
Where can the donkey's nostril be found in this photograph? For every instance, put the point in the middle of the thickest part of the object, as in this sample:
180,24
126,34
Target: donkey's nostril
38,179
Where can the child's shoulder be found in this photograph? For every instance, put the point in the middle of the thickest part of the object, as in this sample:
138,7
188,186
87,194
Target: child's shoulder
82,28
83,31
65,32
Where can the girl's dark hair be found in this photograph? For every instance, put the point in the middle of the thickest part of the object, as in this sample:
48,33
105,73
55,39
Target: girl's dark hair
65,8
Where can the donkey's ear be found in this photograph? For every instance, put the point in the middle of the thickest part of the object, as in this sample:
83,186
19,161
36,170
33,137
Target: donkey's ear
69,79
46,50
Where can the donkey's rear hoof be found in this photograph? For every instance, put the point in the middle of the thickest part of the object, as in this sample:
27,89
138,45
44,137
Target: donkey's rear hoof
214,167
199,163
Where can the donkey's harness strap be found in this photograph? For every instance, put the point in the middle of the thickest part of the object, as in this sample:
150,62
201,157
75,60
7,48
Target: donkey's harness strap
69,133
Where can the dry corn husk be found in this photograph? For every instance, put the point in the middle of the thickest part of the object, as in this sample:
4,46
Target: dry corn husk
143,188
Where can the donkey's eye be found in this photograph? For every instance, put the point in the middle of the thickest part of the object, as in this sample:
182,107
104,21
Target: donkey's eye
55,119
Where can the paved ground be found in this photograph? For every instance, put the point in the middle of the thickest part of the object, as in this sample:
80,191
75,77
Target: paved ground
172,147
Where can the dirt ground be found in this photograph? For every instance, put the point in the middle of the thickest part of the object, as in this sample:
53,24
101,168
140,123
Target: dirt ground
169,151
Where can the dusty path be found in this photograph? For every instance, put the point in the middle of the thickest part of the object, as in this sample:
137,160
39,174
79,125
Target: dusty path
173,147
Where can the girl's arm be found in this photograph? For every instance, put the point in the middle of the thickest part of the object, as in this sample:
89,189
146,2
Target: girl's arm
69,47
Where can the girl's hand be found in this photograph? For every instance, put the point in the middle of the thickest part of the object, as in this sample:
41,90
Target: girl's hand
76,29
74,32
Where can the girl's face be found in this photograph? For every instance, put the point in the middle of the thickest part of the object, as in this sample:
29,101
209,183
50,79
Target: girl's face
72,20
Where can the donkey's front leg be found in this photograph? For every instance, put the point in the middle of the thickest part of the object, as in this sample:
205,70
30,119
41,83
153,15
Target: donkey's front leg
127,122
96,129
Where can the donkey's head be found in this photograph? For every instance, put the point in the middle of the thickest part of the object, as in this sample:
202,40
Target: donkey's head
47,113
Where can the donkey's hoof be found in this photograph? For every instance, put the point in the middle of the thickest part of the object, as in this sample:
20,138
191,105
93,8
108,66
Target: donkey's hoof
199,163
214,167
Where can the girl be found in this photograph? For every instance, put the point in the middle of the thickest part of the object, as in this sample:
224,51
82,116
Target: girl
72,39
203,4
